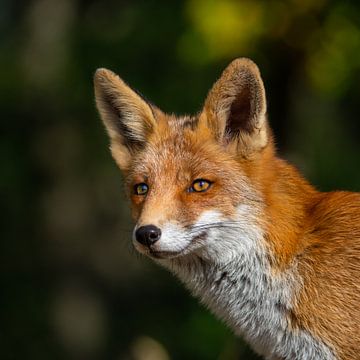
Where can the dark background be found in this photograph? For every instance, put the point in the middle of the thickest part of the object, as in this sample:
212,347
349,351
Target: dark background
71,285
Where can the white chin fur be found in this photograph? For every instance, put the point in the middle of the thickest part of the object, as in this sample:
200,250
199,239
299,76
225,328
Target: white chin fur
177,240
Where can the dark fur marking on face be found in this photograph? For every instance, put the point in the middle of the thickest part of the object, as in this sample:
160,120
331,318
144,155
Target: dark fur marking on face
222,277
225,276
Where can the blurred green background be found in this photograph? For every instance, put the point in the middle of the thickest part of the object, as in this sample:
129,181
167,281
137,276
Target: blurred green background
71,285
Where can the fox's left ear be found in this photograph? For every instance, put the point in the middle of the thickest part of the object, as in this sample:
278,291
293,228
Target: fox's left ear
235,108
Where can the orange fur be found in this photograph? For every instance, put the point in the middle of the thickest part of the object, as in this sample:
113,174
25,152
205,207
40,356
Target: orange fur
318,232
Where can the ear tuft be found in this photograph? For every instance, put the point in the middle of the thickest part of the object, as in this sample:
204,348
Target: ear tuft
236,106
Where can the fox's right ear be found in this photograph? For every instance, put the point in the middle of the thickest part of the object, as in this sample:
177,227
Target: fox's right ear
235,109
128,118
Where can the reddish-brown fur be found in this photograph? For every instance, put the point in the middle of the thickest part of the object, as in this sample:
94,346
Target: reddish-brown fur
320,231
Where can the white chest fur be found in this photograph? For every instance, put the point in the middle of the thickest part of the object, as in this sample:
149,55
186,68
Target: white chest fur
235,282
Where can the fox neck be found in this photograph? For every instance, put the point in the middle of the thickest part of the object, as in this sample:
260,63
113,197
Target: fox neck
242,293
289,200
243,290
236,283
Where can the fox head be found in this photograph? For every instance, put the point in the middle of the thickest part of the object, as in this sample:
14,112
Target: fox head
195,182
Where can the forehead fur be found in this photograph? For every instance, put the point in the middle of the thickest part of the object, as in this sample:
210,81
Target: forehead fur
183,146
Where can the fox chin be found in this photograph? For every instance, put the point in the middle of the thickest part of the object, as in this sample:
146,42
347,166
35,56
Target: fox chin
275,259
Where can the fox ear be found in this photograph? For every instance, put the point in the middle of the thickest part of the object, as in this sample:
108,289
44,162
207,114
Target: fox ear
235,108
128,118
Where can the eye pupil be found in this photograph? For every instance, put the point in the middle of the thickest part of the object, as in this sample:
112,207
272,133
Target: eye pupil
141,189
200,185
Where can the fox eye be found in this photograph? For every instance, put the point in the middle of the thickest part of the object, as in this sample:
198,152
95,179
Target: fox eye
141,189
200,185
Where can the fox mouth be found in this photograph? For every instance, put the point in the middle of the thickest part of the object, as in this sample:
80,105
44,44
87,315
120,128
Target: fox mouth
167,254
164,254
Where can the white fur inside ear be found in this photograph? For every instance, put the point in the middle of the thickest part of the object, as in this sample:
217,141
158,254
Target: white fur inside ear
132,116
256,140
236,107
125,114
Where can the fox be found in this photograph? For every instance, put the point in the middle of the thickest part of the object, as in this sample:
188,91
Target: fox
274,258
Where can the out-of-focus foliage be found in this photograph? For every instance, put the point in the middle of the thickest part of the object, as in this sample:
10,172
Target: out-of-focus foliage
71,285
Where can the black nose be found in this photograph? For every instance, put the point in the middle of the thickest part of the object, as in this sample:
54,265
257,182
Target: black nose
148,235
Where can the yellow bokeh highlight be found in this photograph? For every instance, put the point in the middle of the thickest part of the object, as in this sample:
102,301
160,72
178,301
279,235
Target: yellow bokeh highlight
222,28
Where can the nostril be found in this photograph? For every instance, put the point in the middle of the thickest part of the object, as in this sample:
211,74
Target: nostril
153,235
148,235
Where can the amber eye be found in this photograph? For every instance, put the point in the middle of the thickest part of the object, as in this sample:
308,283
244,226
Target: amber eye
141,189
200,185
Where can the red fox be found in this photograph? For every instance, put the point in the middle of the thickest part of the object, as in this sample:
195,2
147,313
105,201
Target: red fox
275,259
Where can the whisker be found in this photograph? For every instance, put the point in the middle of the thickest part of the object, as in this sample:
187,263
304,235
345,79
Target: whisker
217,225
